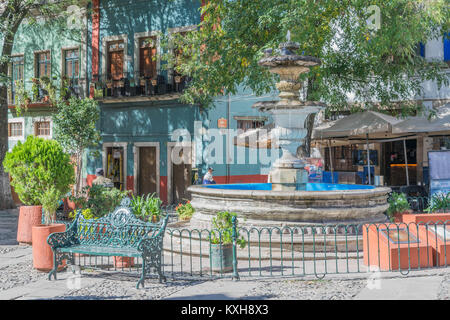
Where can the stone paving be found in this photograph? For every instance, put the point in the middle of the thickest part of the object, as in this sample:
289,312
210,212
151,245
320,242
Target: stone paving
18,280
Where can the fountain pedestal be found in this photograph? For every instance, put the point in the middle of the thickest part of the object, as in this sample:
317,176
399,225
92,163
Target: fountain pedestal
290,117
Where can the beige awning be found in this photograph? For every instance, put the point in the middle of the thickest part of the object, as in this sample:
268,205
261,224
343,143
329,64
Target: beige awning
359,125
436,125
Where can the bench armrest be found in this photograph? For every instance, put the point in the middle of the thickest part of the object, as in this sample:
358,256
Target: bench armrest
64,239
149,245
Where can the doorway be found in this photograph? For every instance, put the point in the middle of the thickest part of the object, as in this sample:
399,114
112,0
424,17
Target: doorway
180,173
114,163
146,168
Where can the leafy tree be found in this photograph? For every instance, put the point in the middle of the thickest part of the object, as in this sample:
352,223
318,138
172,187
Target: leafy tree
12,14
74,126
377,64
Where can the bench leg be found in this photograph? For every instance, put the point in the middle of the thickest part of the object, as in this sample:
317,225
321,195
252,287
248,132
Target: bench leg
55,267
158,269
142,279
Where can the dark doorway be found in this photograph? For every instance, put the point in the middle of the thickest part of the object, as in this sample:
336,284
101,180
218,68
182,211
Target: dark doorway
147,180
181,177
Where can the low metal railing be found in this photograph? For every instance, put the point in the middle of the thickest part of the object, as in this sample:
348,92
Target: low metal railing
312,250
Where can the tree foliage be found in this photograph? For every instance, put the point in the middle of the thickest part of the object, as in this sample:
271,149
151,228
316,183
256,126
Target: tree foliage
74,127
372,66
12,14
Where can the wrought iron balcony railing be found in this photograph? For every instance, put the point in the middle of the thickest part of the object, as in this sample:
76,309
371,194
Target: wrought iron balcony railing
135,85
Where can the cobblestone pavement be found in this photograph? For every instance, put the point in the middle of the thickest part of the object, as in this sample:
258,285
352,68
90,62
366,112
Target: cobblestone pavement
18,280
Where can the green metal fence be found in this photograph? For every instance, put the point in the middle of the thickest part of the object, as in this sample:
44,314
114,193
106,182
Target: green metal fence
313,250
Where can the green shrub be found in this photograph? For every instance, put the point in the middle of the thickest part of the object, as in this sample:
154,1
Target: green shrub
439,202
99,199
397,204
36,166
223,229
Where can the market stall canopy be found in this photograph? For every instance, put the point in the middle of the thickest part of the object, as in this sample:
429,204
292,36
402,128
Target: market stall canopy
437,125
358,125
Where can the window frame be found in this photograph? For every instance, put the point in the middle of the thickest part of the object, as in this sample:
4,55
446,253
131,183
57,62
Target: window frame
16,120
36,121
138,36
37,63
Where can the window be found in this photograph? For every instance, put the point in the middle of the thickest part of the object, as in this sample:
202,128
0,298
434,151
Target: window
71,68
147,57
43,64
17,65
71,64
42,128
176,79
15,129
115,59
249,124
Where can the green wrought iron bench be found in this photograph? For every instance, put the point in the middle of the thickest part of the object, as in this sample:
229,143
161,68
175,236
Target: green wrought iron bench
118,233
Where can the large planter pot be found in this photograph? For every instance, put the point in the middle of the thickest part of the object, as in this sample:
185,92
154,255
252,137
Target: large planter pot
221,257
123,262
42,252
29,216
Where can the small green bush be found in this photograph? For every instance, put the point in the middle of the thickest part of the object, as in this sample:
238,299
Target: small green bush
36,166
223,229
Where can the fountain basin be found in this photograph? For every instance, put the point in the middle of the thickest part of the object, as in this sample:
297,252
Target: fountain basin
257,205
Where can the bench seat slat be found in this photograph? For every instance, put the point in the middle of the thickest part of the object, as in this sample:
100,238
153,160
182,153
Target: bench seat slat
102,251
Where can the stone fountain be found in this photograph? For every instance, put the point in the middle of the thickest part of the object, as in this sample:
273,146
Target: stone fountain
289,115
288,199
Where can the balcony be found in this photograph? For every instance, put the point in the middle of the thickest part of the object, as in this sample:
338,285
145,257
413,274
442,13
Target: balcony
35,95
135,87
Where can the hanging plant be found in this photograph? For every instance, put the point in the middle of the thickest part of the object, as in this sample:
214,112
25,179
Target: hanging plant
49,86
22,98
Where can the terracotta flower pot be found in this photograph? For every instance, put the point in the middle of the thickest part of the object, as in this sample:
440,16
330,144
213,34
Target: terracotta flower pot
398,216
29,216
42,252
69,206
123,262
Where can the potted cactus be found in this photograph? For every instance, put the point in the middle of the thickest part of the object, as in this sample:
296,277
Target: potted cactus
221,239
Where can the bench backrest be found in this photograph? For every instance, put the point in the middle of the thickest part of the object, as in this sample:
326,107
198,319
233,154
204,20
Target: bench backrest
117,229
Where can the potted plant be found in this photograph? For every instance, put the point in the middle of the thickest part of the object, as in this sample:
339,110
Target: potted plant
42,252
221,239
35,89
185,211
147,208
35,166
439,203
398,206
